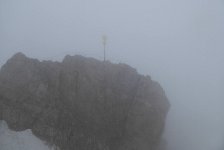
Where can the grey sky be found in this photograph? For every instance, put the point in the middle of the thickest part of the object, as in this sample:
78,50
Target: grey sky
178,42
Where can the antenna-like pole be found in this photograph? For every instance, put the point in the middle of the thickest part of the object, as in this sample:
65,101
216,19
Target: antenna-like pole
104,38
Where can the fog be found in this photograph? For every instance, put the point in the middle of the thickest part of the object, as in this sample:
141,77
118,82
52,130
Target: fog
179,43
24,140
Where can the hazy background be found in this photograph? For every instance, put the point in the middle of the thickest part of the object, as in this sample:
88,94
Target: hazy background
179,43
24,140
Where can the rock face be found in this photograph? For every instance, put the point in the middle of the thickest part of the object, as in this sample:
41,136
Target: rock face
82,103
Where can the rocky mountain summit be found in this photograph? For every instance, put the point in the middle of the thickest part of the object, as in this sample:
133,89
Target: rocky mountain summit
82,103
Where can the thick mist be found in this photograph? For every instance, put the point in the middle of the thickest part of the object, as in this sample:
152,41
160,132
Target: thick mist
179,43
24,140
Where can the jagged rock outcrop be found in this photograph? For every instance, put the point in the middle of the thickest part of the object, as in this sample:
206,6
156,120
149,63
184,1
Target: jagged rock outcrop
82,103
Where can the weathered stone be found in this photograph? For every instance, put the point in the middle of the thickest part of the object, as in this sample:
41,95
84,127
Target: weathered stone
82,103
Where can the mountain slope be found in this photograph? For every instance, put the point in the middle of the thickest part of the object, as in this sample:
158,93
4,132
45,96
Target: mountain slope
82,103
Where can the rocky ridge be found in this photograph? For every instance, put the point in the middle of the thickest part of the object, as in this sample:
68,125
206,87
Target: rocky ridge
82,103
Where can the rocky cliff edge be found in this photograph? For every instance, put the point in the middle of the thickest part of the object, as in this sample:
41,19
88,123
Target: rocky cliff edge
82,103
